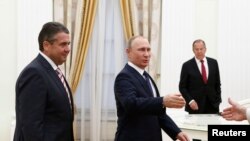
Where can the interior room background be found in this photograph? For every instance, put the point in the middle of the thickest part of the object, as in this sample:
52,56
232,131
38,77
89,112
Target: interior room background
223,24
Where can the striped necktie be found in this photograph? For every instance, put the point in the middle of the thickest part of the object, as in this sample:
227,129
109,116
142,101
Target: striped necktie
60,75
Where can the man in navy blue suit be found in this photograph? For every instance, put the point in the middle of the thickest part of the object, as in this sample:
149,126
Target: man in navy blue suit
44,103
140,109
200,82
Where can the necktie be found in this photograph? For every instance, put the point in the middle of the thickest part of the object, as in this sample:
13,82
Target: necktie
203,72
146,75
61,77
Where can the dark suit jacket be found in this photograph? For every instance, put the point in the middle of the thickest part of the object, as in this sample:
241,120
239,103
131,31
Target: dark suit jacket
140,115
43,110
192,86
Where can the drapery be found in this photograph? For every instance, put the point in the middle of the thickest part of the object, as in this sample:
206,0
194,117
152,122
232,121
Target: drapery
78,16
94,97
88,16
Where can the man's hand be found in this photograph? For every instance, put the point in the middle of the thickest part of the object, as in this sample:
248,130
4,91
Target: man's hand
182,137
193,105
173,101
234,112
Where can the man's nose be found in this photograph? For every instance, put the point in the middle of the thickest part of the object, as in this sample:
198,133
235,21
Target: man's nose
68,48
147,53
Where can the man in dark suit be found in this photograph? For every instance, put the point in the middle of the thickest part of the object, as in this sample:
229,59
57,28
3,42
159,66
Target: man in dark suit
200,82
140,109
44,106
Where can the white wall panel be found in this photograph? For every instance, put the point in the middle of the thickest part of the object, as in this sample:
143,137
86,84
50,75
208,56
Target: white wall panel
234,49
31,15
7,65
177,38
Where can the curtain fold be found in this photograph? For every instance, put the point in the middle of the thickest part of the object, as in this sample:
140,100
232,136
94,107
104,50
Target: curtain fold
88,16
68,21
127,18
94,97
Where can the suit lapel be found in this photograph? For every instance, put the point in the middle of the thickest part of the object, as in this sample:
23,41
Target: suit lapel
71,97
52,73
210,68
140,78
155,87
195,66
209,65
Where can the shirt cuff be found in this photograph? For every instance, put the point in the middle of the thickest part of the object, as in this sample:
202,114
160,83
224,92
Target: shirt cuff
190,101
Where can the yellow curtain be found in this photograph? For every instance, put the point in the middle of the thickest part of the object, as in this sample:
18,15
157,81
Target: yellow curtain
68,20
88,16
127,18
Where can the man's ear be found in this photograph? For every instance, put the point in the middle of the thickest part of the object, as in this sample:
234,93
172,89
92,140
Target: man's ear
127,50
46,45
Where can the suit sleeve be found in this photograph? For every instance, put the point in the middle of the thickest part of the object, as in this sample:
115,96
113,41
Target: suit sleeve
169,126
134,101
184,84
218,83
31,92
